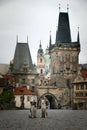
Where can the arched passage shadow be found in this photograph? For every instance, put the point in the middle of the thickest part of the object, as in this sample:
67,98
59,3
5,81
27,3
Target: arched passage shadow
52,101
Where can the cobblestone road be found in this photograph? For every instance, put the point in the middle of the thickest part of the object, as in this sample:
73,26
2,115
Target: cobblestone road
57,120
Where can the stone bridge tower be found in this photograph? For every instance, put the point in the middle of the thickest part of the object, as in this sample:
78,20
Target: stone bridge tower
22,67
64,64
64,56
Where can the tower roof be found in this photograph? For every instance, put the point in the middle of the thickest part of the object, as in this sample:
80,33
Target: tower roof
22,56
63,34
40,50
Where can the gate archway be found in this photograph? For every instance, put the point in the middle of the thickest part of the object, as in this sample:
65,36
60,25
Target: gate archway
52,100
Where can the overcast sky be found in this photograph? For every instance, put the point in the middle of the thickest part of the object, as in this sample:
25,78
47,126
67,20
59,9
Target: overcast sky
36,18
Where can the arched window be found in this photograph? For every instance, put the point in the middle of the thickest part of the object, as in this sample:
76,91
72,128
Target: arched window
40,60
41,71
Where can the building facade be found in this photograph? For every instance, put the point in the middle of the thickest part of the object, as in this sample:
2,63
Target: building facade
24,97
79,89
56,68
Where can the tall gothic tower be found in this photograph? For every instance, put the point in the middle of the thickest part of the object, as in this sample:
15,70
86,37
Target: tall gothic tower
64,53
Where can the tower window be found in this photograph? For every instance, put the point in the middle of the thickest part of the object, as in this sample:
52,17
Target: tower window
82,87
86,86
77,87
25,69
33,88
23,81
86,94
40,60
41,71
33,81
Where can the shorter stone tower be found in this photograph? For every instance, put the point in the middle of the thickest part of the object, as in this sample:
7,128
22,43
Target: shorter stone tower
22,67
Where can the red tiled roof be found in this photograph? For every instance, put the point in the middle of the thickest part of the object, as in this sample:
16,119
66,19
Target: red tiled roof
84,73
10,77
23,91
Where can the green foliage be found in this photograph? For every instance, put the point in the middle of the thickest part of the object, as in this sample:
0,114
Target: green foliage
6,97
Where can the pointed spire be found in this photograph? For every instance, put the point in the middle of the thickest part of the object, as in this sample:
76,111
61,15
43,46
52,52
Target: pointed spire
27,38
50,42
67,7
40,46
40,50
78,39
47,50
17,39
56,34
59,7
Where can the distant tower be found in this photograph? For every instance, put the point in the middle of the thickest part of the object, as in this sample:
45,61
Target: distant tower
47,61
40,63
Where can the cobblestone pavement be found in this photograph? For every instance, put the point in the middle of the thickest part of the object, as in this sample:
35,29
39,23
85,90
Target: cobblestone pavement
56,120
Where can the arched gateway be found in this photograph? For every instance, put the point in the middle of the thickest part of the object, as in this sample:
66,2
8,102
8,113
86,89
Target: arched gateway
52,101
53,95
